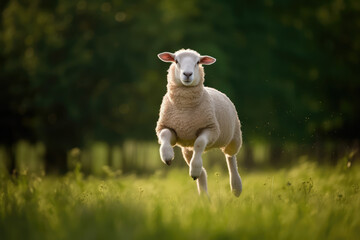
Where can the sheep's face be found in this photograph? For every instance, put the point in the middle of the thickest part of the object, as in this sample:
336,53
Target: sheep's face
187,65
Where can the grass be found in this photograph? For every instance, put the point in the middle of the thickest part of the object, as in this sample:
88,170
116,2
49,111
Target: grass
304,202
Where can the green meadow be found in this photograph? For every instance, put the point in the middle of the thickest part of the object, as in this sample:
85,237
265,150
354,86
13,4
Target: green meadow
305,201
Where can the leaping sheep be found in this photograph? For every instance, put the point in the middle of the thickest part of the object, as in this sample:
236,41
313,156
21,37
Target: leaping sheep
197,118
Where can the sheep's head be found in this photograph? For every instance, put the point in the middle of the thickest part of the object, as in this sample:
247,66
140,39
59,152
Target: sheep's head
187,64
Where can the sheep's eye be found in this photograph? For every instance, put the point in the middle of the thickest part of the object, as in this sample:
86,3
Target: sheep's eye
198,62
176,61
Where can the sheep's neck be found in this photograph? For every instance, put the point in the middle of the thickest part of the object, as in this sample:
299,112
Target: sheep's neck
185,97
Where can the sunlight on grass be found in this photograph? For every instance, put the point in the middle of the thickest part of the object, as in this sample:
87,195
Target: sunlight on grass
304,202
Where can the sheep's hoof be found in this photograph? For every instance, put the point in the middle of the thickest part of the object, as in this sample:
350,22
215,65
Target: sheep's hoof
236,192
194,178
168,162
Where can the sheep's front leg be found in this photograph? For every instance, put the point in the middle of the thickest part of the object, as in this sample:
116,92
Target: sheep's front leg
199,146
202,180
167,139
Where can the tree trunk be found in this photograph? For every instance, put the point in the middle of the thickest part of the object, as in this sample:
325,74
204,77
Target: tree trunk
276,159
12,160
56,161
249,157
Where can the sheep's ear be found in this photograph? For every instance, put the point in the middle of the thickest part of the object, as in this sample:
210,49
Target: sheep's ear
166,57
207,60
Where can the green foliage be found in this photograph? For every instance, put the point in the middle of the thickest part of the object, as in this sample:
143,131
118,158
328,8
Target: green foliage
304,202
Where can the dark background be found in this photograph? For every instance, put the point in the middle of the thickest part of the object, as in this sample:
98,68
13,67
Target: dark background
77,72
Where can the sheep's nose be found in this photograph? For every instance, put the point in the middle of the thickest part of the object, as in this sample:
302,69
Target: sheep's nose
188,74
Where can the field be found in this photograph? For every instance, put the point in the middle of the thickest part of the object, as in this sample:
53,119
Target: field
303,202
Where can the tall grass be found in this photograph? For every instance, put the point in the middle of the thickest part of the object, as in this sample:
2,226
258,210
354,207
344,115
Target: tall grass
304,202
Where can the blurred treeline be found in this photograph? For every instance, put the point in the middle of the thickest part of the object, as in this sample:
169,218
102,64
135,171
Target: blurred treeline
73,73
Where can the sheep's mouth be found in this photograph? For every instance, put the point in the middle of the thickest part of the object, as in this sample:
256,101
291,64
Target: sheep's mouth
187,82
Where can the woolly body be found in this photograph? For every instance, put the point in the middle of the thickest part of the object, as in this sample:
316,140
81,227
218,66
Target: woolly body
188,110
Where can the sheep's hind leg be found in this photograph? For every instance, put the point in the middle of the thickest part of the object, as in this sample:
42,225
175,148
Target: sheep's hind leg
202,180
167,138
235,179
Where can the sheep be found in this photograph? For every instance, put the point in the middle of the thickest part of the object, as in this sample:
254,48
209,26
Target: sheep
197,118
